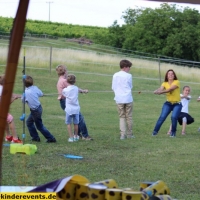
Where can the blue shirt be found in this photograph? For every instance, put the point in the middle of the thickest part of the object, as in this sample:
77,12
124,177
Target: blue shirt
32,95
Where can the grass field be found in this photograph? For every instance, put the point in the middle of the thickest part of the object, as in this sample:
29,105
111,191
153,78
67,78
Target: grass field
129,162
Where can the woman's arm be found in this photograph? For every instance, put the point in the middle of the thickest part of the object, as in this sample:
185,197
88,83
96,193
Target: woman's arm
161,90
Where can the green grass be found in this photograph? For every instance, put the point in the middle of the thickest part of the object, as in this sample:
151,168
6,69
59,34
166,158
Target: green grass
66,43
129,162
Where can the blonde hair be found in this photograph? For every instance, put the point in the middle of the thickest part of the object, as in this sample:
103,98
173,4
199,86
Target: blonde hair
61,70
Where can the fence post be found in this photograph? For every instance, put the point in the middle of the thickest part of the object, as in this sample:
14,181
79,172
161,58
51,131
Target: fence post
159,68
50,60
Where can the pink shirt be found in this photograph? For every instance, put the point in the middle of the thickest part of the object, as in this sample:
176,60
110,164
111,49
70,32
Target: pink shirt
61,84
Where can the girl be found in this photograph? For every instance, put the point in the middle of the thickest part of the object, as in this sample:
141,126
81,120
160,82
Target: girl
184,118
10,127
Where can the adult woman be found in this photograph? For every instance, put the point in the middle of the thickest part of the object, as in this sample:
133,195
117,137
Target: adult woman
171,87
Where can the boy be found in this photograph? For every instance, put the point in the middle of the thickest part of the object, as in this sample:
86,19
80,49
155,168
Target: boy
31,97
72,108
122,86
61,84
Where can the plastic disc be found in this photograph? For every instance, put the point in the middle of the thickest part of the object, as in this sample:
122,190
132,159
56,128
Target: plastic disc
73,156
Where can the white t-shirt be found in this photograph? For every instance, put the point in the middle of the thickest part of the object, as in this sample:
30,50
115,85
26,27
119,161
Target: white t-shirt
185,103
122,86
71,102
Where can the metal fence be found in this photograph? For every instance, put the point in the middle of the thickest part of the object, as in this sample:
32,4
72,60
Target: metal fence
101,49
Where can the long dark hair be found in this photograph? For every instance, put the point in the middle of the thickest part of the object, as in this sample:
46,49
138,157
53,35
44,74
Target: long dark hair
166,78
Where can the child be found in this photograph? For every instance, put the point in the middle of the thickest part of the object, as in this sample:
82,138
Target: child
10,127
32,94
72,108
61,84
184,118
122,86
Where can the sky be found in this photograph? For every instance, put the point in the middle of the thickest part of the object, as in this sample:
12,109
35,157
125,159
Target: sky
100,13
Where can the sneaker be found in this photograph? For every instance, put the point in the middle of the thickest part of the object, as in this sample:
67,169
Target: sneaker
199,129
87,138
173,135
51,140
122,137
154,134
130,136
71,140
80,137
76,138
16,141
8,138
35,139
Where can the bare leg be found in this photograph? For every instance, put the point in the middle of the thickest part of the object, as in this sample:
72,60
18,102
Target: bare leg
170,130
75,130
183,128
69,128
7,131
12,129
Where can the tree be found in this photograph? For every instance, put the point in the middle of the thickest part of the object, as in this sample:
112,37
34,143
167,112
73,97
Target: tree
168,30
116,35
130,15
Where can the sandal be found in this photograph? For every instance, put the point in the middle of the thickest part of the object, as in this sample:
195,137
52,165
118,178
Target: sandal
169,133
183,133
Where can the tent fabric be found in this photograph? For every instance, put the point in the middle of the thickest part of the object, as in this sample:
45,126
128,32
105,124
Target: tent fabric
180,1
58,185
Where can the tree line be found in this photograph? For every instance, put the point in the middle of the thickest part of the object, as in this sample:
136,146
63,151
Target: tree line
169,30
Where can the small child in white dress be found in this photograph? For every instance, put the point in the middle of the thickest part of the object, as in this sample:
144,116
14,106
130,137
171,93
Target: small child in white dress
184,118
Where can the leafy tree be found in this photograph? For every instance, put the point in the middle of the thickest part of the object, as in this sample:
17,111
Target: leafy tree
116,35
130,15
168,30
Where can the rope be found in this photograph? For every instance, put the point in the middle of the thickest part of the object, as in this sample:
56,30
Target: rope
106,91
103,91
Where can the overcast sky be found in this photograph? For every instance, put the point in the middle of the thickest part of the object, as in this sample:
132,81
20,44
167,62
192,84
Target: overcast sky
82,12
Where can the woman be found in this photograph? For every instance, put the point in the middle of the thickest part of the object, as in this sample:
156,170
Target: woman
171,86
